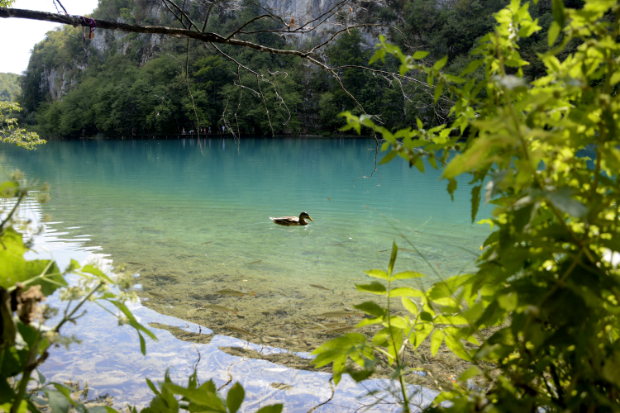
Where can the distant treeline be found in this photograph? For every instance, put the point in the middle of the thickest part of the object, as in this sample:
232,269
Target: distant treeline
9,87
117,93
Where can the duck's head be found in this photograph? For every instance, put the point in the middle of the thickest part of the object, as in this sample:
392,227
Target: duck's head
305,215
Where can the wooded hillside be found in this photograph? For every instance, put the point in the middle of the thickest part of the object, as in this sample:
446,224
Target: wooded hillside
138,83
9,86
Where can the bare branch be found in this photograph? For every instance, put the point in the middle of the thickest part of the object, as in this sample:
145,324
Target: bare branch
258,75
265,104
191,23
204,26
346,29
174,14
207,37
247,24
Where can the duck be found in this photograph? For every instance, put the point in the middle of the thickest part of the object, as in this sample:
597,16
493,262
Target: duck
292,220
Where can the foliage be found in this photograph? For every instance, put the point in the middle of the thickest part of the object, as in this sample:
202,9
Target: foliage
542,308
294,93
9,132
199,398
9,86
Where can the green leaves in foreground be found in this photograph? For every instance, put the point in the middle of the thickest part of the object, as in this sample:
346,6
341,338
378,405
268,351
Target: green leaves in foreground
539,319
16,269
9,132
396,332
198,398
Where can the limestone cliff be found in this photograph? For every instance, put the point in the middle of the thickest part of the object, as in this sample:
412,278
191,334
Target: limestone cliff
59,75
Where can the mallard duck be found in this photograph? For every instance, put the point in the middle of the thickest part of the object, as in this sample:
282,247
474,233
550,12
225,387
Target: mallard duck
292,220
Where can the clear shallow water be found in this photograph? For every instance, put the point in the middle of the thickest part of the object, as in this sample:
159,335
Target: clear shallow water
194,219
119,376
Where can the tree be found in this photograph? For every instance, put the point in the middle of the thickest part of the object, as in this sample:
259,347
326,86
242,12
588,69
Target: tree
539,319
10,132
257,29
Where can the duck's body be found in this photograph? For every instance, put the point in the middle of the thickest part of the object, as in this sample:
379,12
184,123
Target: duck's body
292,220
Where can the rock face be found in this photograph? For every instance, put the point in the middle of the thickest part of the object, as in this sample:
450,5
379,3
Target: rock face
57,81
318,15
303,11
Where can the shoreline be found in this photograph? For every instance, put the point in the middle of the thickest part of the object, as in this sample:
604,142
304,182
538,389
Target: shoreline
211,136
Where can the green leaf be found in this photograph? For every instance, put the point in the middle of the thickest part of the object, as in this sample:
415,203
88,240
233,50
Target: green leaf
562,200
29,333
433,162
379,54
387,158
438,91
65,391
152,386
473,371
134,323
200,396
420,55
101,409
426,316
15,268
440,63
472,66
32,408
409,305
475,201
529,28
57,401
374,287
91,269
274,408
436,341
559,14
398,322
369,321
615,78
421,332
406,292
235,397
452,187
372,308
457,347
486,221
142,344
508,301
23,407
8,189
554,32
377,274
392,258
405,275
360,375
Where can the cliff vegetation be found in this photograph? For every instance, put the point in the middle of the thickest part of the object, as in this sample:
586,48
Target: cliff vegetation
9,87
120,84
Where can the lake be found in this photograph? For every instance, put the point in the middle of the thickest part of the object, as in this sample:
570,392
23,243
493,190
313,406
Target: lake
192,219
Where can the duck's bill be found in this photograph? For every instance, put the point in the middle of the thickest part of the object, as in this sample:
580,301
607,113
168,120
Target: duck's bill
310,218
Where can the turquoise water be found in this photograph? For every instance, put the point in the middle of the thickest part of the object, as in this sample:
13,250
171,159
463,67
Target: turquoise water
193,219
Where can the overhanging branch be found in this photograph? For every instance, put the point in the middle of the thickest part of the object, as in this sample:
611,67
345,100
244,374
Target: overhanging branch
207,37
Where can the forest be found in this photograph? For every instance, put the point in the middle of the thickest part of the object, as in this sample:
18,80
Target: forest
128,89
9,87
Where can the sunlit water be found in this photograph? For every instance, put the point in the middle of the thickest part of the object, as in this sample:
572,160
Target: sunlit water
107,361
194,219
